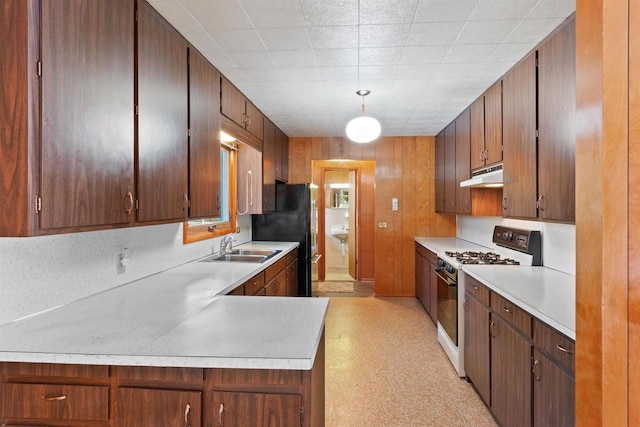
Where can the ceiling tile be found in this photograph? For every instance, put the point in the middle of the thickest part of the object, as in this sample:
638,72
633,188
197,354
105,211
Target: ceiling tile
238,40
470,53
338,73
262,75
417,71
489,10
330,12
444,10
227,14
479,32
493,69
456,70
434,33
285,38
380,55
553,9
274,13
511,52
378,71
336,57
335,37
387,11
425,54
533,30
252,59
293,58
300,74
384,35
177,15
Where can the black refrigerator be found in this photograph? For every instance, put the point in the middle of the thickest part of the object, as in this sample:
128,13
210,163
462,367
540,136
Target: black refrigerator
291,222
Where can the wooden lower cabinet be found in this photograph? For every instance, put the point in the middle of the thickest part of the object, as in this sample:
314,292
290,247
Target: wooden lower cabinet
510,375
33,394
139,407
477,353
553,393
426,280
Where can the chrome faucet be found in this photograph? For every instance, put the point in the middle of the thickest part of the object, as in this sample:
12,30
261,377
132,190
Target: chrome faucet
226,244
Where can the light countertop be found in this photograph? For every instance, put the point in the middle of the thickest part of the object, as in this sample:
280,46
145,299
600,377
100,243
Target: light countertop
547,294
179,317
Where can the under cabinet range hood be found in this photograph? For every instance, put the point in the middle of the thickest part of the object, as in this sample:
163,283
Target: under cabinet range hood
485,178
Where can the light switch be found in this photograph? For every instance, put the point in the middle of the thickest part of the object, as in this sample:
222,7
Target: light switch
394,204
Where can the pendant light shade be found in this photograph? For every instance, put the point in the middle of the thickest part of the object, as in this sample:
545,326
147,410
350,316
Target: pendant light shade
363,129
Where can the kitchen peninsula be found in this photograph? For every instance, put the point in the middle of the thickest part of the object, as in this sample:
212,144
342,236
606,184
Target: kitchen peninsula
171,346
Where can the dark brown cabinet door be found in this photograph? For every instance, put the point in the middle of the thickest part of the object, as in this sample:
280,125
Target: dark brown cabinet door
148,407
510,375
256,409
553,394
439,190
292,279
233,103
269,153
204,142
493,124
450,168
519,126
162,164
463,162
476,130
87,113
255,120
285,157
249,179
476,347
279,154
557,136
423,282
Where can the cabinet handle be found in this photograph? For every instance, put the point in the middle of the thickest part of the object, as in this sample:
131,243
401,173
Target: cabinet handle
486,156
218,204
127,203
475,287
562,349
482,155
53,398
246,195
221,415
244,119
248,122
504,203
537,375
185,203
187,409
507,310
465,305
539,203
492,329
250,178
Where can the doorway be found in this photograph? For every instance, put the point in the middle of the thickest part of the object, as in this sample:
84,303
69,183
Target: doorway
345,217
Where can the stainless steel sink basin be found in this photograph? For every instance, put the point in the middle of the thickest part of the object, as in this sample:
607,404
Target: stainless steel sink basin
244,255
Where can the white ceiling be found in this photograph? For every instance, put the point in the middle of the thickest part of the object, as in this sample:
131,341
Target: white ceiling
425,61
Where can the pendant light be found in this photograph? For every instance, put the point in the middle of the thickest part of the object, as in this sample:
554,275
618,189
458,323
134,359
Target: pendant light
363,129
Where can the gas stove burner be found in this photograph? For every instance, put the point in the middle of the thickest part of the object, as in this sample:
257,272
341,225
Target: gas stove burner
473,257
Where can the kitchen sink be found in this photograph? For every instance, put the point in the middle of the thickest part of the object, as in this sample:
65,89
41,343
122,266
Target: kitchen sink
244,255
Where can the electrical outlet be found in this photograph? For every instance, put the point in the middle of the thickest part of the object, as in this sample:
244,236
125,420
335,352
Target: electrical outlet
237,230
382,224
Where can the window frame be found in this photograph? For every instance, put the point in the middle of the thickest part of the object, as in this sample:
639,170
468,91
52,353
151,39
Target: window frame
197,233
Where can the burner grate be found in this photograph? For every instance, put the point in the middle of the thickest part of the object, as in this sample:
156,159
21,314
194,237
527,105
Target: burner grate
472,257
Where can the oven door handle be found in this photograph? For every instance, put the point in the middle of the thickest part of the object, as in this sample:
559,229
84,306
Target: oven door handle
448,280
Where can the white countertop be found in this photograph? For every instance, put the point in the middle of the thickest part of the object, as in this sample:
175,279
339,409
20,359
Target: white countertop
547,294
179,317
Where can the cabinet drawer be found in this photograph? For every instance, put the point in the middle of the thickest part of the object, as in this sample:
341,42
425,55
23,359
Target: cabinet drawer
477,289
556,345
432,257
159,374
519,318
276,268
292,256
55,402
254,285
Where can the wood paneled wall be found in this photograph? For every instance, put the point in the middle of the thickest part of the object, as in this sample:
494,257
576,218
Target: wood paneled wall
404,169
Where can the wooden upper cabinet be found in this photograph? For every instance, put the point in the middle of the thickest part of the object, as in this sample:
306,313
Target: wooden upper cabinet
450,168
269,167
439,181
556,125
519,126
162,119
87,144
249,179
463,162
204,142
476,117
282,156
493,124
236,107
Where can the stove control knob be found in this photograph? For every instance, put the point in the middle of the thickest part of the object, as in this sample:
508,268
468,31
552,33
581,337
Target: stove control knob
450,269
441,263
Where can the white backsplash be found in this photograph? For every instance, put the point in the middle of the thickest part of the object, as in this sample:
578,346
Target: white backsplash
39,273
558,240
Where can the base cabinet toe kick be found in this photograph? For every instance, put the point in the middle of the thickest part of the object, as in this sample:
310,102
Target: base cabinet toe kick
54,395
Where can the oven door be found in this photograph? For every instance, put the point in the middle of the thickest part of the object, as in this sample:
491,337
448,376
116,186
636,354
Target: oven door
447,304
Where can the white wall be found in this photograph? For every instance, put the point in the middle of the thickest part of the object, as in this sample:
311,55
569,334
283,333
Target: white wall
335,258
558,240
39,273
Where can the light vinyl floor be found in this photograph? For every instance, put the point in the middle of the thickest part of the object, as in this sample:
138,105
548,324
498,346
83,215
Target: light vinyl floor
384,367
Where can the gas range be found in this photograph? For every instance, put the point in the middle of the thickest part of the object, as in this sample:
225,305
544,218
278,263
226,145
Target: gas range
523,248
